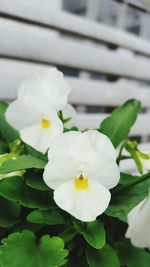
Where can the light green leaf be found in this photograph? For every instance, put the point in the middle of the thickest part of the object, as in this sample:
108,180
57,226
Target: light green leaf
117,125
9,213
50,217
22,249
15,189
124,200
8,133
131,256
93,233
105,257
21,163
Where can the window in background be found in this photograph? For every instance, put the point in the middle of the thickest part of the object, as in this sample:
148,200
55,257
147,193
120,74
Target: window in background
133,20
109,12
77,7
128,15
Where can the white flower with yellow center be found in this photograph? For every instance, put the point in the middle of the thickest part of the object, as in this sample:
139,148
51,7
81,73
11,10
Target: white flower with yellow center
81,170
139,224
34,113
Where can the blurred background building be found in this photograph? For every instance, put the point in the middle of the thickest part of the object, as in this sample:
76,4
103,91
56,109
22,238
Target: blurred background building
102,47
128,15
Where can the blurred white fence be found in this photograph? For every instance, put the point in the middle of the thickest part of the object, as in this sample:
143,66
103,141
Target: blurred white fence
110,66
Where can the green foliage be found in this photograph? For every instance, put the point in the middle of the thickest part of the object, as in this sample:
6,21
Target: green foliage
9,213
127,198
8,133
16,190
131,256
28,213
93,233
22,249
21,163
51,217
105,257
35,180
127,179
119,123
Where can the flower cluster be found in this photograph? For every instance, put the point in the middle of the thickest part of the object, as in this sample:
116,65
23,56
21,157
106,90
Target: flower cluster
35,112
81,167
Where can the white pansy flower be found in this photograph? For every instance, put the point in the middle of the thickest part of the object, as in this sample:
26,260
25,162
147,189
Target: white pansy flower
139,224
46,86
69,113
81,170
34,113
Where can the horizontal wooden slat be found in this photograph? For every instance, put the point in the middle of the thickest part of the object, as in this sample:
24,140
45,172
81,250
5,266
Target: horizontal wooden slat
84,91
34,43
92,121
42,13
12,73
89,92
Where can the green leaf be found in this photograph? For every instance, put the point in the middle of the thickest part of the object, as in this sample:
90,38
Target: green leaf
93,233
15,189
9,213
21,163
33,152
22,249
8,132
128,179
125,200
23,224
68,234
105,257
35,180
50,217
117,125
131,256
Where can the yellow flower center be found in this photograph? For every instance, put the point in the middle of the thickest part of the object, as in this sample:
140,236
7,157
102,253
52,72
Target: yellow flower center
45,124
81,183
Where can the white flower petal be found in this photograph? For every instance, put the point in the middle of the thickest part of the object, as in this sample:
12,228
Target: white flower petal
71,143
27,119
101,168
46,86
60,170
101,143
69,112
40,138
139,224
20,115
84,205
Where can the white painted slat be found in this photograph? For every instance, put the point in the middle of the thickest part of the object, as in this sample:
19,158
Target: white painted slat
35,43
43,13
12,73
84,91
92,121
89,92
